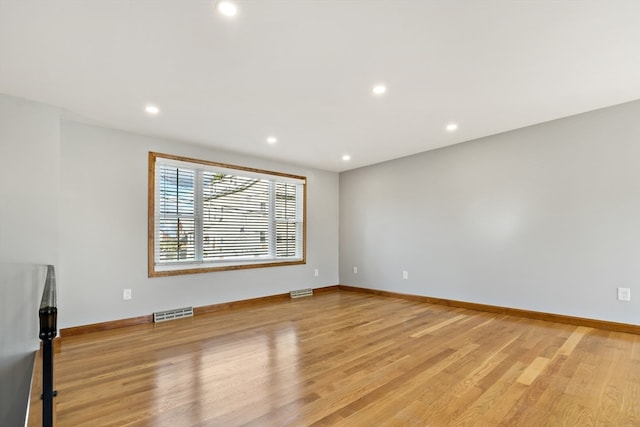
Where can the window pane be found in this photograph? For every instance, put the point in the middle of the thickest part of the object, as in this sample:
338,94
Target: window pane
175,214
286,241
177,240
286,201
235,216
176,191
287,215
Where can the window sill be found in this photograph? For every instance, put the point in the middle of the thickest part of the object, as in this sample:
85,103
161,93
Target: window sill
195,268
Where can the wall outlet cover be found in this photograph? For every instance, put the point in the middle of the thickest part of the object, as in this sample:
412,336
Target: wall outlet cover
624,294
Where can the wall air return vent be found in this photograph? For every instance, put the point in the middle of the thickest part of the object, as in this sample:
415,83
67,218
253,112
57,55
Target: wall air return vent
301,293
178,313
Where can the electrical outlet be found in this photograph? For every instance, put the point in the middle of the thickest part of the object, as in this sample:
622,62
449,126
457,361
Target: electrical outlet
624,294
355,270
316,272
405,274
126,294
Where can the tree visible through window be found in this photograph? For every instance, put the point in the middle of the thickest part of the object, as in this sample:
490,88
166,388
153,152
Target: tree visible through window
206,216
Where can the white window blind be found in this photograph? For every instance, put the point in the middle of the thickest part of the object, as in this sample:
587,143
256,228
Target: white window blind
175,220
209,216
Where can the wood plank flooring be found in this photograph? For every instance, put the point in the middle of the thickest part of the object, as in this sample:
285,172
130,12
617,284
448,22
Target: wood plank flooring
350,359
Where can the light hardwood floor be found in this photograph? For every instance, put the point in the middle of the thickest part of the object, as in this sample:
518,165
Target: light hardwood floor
350,359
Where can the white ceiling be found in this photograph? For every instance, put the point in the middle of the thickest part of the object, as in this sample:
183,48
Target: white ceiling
303,70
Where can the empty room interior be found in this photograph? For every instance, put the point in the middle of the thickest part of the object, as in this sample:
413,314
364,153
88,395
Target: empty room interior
320,213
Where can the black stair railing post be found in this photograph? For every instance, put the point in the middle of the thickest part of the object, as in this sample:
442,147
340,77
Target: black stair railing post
48,330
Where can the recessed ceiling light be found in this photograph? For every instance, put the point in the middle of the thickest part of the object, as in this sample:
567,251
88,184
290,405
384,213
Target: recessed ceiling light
452,126
272,140
152,109
346,157
227,8
379,89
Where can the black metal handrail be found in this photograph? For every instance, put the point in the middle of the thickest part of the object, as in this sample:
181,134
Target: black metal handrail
48,330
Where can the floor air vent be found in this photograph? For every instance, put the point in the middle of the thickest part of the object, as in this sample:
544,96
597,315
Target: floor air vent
301,293
178,313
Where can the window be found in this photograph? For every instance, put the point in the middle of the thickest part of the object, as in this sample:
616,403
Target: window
206,216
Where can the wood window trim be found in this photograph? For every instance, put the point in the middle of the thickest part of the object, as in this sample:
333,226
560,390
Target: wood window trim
152,272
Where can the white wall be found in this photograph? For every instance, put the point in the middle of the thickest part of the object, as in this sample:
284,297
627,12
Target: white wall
544,218
29,181
29,191
103,231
